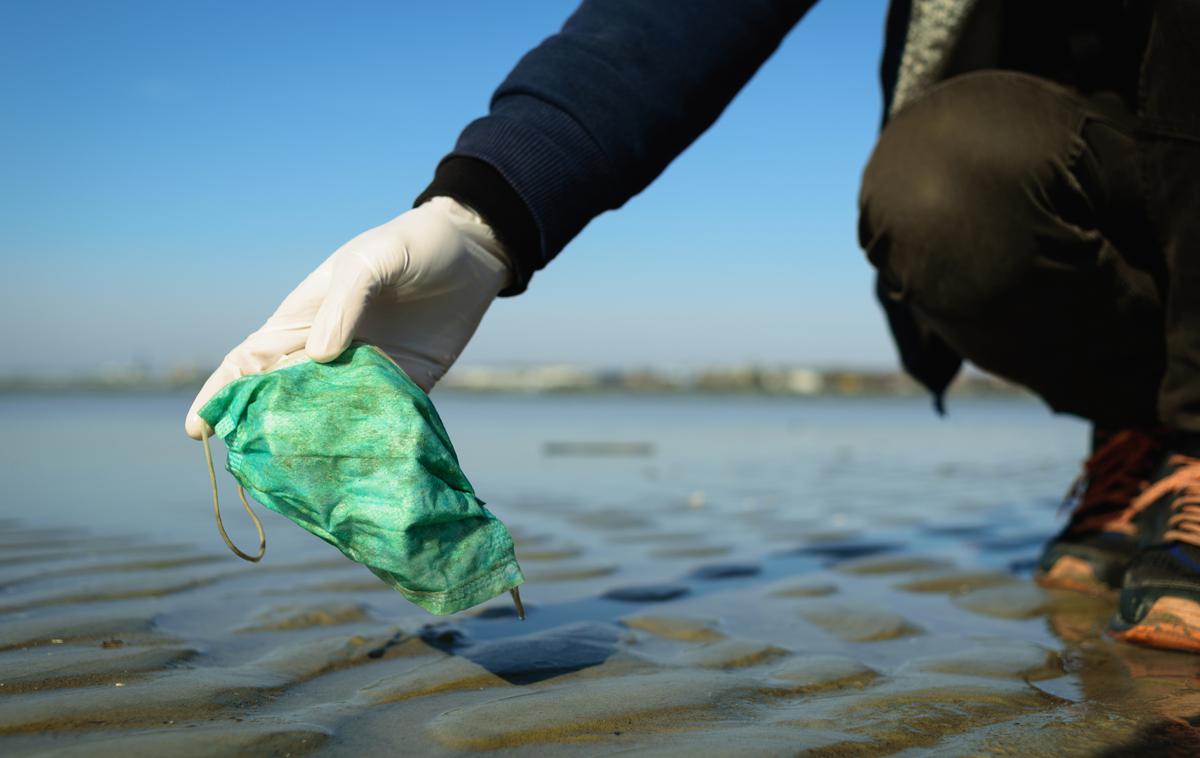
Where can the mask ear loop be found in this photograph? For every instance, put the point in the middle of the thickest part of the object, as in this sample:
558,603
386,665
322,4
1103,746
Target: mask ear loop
516,598
212,477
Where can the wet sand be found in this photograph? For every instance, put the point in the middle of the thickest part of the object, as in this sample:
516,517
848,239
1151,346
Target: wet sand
749,621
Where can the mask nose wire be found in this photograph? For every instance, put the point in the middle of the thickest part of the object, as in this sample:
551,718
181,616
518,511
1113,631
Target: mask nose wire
212,478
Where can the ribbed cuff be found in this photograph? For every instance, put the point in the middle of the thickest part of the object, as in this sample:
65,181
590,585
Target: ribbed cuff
481,187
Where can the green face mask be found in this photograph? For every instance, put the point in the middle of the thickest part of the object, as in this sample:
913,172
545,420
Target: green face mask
354,452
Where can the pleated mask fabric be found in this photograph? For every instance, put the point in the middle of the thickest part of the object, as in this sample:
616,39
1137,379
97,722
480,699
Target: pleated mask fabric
353,451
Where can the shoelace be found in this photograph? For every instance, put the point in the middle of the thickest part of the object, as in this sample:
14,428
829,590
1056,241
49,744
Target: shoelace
1112,478
1184,482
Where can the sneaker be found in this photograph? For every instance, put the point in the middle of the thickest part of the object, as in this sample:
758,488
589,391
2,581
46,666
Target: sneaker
1160,598
1093,550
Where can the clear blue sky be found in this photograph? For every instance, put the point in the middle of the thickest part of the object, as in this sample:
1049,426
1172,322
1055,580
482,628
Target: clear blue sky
172,169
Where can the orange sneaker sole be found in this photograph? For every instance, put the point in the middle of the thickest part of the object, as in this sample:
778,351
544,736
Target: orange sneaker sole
1173,623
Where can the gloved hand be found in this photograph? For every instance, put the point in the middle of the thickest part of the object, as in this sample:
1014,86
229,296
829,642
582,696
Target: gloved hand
416,287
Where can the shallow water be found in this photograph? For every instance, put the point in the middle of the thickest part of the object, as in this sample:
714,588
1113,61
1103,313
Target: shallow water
759,576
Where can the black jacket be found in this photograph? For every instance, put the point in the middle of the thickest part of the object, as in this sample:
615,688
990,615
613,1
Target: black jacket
592,115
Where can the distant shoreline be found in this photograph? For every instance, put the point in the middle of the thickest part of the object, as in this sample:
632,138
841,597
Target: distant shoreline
565,380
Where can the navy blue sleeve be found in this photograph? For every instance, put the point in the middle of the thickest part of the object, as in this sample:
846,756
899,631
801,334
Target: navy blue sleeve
592,115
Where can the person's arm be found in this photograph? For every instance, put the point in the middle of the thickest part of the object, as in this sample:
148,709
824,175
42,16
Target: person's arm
585,121
591,116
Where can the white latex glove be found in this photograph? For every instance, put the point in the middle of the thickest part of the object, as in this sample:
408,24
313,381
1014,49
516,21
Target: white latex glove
416,287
